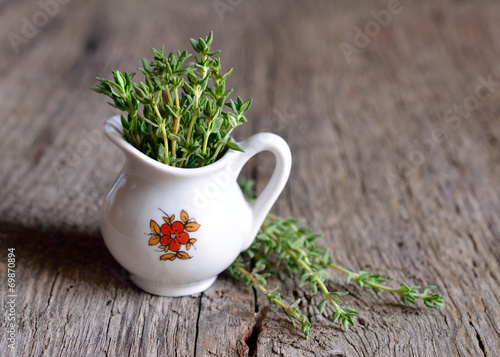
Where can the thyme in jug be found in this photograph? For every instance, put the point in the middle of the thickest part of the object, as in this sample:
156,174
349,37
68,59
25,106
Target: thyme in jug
178,114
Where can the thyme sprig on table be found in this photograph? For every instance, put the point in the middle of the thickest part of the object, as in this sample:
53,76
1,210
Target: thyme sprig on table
239,270
177,115
295,249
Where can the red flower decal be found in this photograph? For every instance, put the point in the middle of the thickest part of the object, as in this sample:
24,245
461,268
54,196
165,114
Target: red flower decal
174,235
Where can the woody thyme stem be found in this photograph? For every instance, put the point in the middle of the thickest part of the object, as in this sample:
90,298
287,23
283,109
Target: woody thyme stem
355,277
167,90
176,98
205,142
175,125
275,298
163,132
306,264
408,294
175,131
259,286
193,119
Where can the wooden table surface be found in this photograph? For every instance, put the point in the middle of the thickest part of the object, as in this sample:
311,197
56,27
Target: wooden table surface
392,113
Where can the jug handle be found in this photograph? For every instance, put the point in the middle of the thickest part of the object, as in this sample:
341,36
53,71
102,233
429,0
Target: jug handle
262,205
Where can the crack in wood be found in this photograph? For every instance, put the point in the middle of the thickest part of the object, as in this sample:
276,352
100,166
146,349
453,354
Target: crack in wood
197,325
479,340
255,299
65,330
52,290
473,241
252,339
143,313
109,320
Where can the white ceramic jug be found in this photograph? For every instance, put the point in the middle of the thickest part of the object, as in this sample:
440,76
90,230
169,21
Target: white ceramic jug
175,229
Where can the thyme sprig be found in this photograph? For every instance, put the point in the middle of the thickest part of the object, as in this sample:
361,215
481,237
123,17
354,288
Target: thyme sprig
301,256
177,115
294,248
408,294
239,270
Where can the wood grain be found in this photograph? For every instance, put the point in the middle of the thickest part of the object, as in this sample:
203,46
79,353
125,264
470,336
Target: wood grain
396,160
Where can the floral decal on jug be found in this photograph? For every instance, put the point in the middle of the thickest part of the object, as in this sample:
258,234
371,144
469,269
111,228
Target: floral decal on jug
172,235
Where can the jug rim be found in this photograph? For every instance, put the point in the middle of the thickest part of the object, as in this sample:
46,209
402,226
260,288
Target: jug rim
113,129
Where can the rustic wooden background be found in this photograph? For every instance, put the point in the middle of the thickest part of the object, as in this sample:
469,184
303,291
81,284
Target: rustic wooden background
395,135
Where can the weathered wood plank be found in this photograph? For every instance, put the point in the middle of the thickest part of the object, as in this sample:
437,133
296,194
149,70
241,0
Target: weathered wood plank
418,228
396,186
